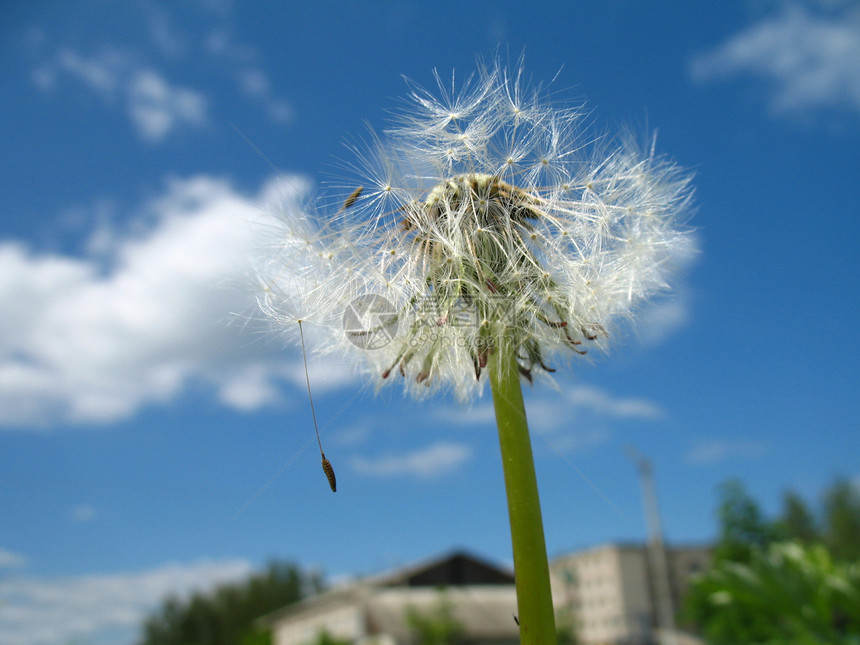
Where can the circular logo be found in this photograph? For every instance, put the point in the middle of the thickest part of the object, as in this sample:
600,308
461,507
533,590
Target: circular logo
370,322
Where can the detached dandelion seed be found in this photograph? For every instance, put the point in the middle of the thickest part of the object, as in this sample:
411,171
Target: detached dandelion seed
326,464
492,235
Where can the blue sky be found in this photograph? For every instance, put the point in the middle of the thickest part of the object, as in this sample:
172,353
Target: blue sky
139,414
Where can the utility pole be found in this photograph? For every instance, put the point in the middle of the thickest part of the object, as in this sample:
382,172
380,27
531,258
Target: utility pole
656,550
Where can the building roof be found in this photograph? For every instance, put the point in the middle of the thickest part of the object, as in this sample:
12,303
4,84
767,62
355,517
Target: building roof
454,569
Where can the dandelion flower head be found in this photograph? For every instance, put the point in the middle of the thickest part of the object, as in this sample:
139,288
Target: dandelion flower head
484,213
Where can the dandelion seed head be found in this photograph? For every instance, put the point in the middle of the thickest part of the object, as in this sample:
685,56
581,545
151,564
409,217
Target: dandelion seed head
487,212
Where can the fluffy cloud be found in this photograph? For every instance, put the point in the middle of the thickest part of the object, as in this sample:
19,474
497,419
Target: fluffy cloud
83,513
570,419
552,411
433,461
88,341
578,418
38,611
712,451
809,55
10,559
256,86
155,107
603,403
100,73
582,407
134,77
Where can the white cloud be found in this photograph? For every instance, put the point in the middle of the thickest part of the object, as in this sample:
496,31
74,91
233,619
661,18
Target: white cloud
219,42
577,438
11,560
154,106
581,406
665,314
559,406
130,78
164,34
663,317
38,611
101,73
251,388
45,78
433,461
711,451
254,82
810,56
81,342
83,513
605,404
576,417
569,418
280,111
255,85
240,59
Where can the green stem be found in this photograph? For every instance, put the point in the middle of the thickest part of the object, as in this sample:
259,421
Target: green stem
534,598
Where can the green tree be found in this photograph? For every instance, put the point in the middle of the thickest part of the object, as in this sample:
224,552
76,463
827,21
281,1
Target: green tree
797,521
743,528
226,616
842,521
324,638
836,524
788,594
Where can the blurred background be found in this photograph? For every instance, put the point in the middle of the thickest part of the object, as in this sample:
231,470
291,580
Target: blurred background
156,439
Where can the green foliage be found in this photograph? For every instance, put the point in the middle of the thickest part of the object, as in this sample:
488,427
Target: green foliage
226,616
743,528
797,521
792,580
565,627
836,525
436,627
788,594
842,519
324,638
256,637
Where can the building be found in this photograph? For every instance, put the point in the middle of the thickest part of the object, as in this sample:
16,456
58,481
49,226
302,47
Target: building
609,591
481,597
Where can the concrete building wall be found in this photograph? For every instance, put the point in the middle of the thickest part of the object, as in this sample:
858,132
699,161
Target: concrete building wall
343,622
635,586
609,591
592,585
